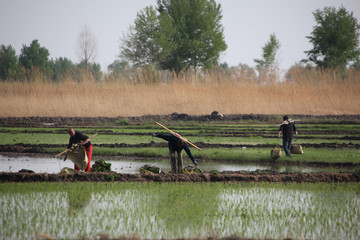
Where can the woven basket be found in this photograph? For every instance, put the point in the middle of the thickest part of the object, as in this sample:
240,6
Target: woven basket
276,152
296,149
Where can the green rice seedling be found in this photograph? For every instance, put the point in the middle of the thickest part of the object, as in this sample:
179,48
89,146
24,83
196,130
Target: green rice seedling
180,210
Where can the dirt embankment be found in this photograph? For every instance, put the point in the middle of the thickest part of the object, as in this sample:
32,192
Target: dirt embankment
105,121
193,177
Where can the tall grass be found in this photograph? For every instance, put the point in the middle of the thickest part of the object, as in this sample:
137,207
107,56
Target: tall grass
150,92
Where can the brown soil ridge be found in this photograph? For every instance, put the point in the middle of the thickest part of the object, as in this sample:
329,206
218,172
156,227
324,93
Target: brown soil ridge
101,121
192,177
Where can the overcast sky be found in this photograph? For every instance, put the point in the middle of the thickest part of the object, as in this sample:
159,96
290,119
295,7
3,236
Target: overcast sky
247,26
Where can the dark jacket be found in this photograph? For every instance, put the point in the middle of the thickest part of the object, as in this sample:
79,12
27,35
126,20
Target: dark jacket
288,129
79,136
176,143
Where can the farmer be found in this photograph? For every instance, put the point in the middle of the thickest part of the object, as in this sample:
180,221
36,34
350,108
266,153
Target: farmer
176,145
80,139
287,127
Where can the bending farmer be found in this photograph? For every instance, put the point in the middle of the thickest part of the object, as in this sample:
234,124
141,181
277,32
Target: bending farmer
80,139
176,145
288,129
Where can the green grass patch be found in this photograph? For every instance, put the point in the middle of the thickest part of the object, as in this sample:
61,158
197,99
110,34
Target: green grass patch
53,138
255,155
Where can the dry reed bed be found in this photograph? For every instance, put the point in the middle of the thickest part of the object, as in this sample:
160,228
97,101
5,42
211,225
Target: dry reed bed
111,99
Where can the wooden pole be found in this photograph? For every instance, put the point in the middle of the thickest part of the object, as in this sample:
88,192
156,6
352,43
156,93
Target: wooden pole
179,136
70,149
290,121
63,152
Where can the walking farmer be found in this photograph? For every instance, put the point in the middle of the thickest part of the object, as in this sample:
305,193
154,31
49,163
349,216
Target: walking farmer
287,127
176,145
80,139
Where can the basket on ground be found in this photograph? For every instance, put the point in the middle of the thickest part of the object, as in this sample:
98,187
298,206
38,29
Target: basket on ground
275,152
296,149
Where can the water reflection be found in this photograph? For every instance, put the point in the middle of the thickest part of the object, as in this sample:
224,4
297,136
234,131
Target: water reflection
132,165
280,212
178,210
78,200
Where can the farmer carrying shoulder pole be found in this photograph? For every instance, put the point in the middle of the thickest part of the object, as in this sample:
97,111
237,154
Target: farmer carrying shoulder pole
176,144
287,127
80,139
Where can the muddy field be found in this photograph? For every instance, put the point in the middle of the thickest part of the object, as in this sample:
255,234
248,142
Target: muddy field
39,137
259,176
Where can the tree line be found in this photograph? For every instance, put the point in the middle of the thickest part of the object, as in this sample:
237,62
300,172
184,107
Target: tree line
34,62
187,35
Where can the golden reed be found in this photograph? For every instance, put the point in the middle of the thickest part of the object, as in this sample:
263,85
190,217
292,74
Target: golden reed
307,93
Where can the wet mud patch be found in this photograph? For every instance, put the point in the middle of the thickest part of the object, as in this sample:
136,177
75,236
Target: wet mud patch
264,176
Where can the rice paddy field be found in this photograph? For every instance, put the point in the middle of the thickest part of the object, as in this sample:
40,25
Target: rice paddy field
180,210
177,210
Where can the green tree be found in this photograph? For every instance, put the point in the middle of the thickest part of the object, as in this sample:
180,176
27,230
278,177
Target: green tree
196,35
62,68
34,56
224,66
118,66
8,62
335,38
267,65
140,45
184,33
92,70
270,49
356,65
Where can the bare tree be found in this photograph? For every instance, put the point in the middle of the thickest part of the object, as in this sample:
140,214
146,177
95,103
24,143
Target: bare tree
87,45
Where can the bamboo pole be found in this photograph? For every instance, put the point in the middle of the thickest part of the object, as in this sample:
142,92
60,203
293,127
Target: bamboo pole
70,149
289,121
179,136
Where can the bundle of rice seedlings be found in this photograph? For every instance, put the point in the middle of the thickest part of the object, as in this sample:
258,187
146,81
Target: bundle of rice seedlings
146,169
296,149
276,152
101,166
192,169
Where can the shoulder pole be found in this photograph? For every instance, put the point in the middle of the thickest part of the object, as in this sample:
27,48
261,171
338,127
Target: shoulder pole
69,148
178,135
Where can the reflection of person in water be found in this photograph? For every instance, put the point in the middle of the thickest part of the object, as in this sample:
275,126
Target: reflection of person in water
176,145
80,139
78,199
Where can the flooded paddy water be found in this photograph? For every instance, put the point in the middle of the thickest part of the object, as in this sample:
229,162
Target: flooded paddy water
132,165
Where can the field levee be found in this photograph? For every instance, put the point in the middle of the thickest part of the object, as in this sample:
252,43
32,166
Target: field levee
120,120
264,176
